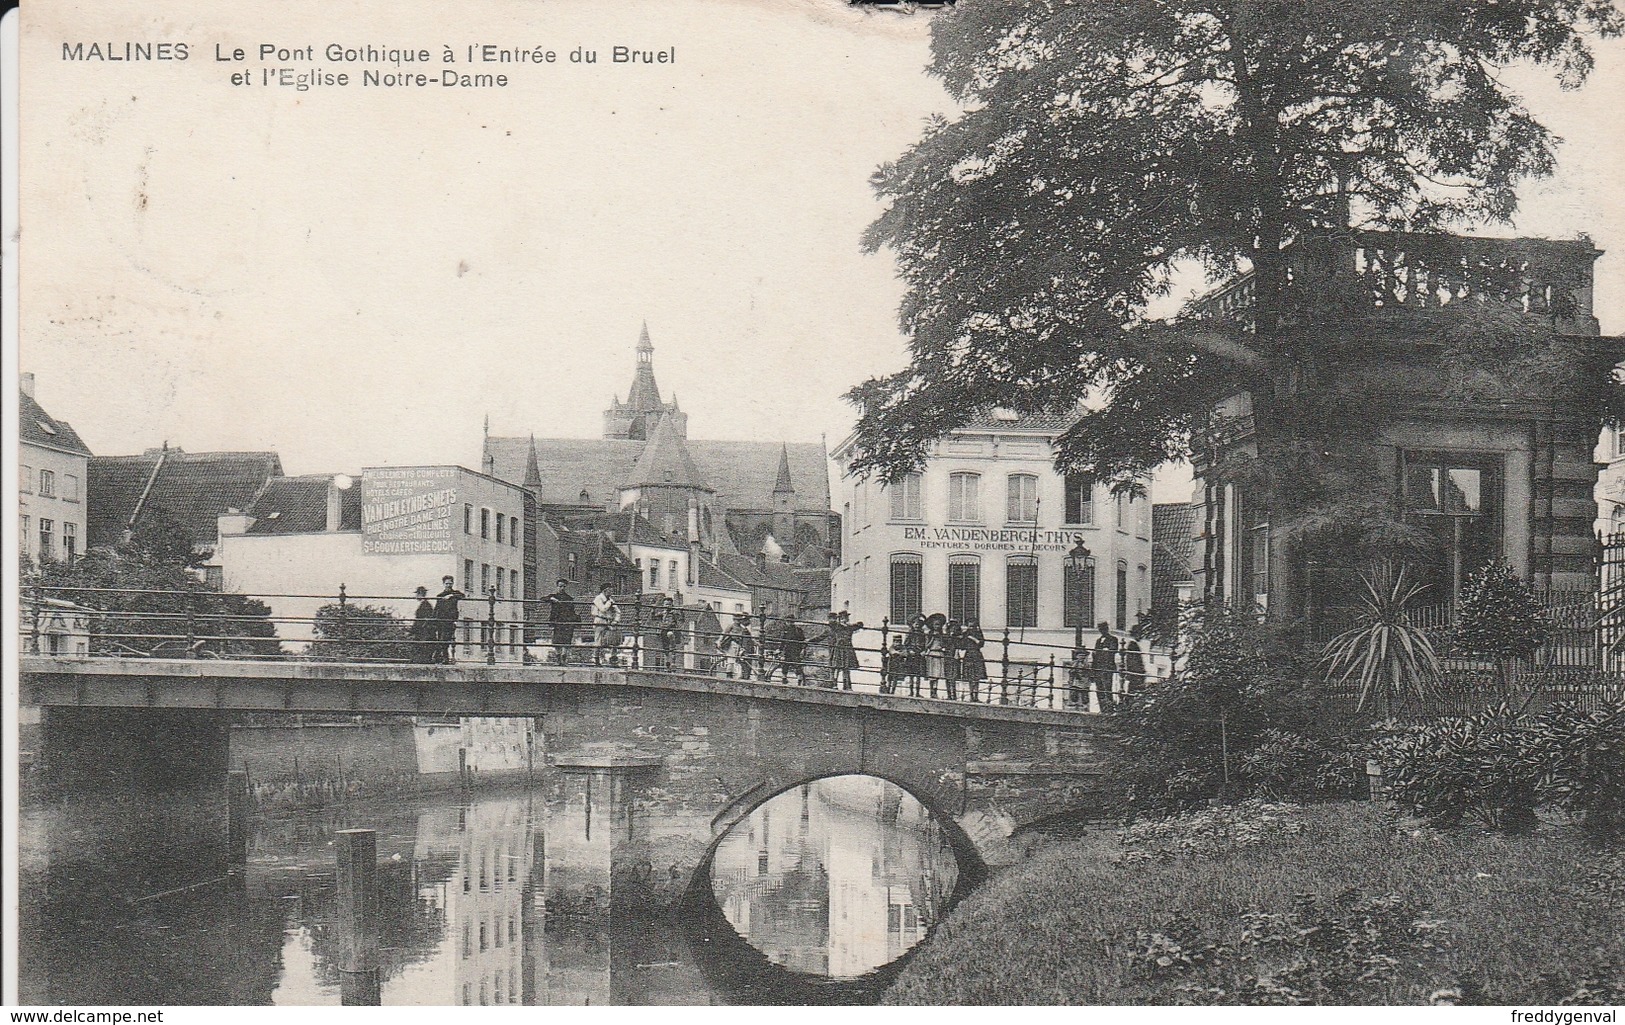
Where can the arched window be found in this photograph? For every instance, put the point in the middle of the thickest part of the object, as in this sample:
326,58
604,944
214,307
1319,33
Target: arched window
1021,498
964,588
965,497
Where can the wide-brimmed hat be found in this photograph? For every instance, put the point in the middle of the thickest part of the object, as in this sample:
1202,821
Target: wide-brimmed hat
937,620
421,592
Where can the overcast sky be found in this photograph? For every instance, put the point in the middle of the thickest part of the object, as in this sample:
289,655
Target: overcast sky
359,276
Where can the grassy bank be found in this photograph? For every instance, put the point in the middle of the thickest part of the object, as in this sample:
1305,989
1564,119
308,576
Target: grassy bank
1339,903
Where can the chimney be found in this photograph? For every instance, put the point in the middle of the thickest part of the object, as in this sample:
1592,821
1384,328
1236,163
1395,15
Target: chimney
26,382
335,505
233,522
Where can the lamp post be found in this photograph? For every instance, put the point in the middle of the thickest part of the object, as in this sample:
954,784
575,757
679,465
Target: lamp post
1078,560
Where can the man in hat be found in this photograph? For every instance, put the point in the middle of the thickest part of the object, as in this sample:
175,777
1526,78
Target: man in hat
423,628
562,618
445,614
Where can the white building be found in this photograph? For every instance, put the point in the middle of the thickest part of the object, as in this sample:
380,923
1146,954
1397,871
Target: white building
52,470
381,535
990,531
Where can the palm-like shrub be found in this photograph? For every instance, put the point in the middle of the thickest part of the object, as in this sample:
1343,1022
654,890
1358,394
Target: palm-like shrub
1392,658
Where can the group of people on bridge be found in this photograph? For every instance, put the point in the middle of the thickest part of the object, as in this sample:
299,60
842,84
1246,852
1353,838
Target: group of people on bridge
934,657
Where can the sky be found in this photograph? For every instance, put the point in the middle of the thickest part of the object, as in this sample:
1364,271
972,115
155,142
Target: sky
358,277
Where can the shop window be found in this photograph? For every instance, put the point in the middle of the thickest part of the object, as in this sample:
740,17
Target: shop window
1021,591
965,497
906,592
1021,504
964,588
905,498
1456,499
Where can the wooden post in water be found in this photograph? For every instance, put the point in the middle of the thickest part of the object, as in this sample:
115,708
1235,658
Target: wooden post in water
236,821
356,915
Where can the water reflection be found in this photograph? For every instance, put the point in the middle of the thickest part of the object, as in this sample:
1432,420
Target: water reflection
551,895
835,878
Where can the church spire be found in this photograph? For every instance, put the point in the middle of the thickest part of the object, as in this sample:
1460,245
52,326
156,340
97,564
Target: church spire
644,396
783,485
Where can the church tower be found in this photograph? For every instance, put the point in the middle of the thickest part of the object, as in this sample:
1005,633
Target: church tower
634,419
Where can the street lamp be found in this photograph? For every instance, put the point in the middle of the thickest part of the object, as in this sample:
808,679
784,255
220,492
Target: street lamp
1078,560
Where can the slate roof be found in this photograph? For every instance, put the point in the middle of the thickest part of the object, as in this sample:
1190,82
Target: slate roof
192,487
628,526
743,473
665,461
37,427
1173,549
1047,422
298,505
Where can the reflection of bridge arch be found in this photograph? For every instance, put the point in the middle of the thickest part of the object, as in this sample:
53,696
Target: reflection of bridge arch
972,866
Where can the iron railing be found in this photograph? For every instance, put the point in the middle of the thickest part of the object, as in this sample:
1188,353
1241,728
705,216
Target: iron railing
641,632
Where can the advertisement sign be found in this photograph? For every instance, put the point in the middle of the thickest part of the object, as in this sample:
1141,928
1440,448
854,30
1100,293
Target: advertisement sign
983,539
408,510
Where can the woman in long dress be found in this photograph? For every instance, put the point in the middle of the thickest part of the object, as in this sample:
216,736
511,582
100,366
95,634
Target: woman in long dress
936,649
914,646
973,664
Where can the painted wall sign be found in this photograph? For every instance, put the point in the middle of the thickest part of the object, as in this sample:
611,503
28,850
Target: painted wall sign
408,510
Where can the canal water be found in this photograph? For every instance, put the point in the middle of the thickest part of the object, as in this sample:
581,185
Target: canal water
807,899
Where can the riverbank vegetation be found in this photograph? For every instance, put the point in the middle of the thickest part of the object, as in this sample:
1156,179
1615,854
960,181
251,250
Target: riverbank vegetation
1261,903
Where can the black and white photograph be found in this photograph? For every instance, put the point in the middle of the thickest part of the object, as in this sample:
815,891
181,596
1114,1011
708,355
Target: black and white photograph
564,503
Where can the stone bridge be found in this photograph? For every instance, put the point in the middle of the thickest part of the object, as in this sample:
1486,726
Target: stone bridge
643,772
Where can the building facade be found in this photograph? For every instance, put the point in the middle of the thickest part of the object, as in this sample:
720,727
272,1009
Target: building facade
1509,475
380,535
989,531
53,467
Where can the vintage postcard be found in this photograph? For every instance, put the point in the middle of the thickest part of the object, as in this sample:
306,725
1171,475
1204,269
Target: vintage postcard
717,502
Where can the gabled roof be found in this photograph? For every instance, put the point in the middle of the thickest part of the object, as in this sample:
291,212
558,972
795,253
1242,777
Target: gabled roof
298,505
665,461
742,473
712,575
1173,547
627,527
192,487
780,575
37,427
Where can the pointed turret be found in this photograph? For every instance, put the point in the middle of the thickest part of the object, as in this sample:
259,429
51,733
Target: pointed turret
635,418
783,485
533,470
644,396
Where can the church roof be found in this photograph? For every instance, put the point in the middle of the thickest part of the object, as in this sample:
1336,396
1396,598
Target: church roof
665,461
743,473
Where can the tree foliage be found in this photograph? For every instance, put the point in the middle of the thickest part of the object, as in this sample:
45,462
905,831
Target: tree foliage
1498,615
350,633
151,602
1100,146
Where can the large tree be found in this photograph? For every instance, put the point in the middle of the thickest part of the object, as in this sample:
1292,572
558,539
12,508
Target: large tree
1102,145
